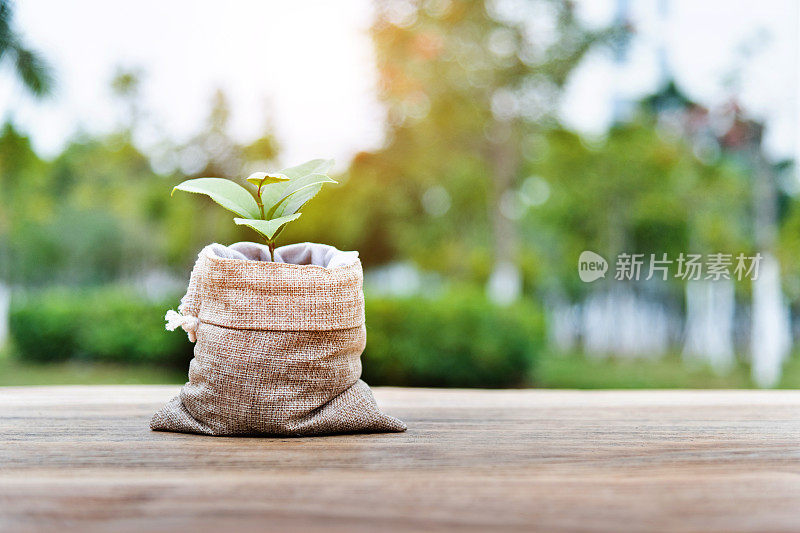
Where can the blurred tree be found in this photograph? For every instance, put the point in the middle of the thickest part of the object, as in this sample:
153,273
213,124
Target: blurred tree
465,83
18,163
771,336
31,68
88,216
658,184
639,190
99,213
24,195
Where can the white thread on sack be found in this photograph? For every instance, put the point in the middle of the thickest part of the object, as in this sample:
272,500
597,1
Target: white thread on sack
189,323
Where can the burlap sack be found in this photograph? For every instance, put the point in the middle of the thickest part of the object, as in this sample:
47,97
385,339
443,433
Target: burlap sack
278,345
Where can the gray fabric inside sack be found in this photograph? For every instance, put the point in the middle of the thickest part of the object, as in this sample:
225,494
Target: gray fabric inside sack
305,253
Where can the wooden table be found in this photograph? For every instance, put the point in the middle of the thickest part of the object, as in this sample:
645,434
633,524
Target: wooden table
83,459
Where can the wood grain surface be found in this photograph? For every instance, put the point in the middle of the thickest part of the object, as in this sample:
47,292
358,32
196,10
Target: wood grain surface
83,459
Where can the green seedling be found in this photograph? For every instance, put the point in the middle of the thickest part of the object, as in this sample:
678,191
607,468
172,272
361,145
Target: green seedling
277,199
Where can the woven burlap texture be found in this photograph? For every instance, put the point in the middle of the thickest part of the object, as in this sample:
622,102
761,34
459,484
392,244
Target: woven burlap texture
279,345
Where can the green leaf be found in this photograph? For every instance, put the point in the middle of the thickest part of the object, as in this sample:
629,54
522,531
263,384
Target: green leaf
226,193
315,166
262,178
306,188
275,237
271,193
267,228
293,203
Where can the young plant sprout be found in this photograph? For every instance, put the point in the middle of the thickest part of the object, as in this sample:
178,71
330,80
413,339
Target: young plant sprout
278,197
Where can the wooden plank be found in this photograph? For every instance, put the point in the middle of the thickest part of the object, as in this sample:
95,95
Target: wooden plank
83,459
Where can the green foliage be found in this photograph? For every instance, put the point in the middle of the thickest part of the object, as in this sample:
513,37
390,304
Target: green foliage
637,172
31,68
97,212
44,329
439,78
455,340
636,190
278,196
267,228
102,325
449,75
226,193
259,179
315,166
78,219
293,195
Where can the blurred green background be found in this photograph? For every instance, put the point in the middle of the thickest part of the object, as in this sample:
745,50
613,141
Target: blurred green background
469,218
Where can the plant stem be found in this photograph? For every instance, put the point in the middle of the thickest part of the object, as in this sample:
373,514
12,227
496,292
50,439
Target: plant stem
260,203
271,244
